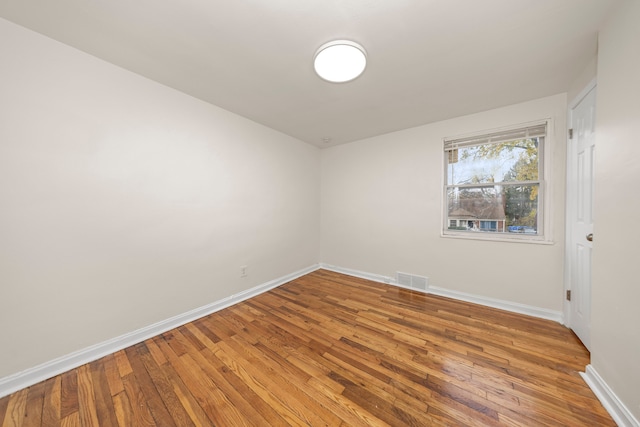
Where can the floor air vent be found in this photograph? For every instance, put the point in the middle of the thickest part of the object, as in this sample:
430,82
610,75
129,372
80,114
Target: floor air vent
412,281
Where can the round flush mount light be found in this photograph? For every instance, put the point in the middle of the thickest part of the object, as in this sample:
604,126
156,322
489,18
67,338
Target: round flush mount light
340,61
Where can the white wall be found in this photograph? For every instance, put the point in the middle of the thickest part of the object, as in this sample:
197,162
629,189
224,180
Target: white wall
583,79
124,202
382,203
615,323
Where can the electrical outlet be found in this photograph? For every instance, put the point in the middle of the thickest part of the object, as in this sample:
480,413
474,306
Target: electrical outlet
243,271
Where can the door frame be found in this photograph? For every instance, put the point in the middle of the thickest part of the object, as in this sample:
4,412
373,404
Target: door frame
570,200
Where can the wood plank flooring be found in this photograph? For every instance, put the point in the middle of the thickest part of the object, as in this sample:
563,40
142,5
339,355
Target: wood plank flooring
330,350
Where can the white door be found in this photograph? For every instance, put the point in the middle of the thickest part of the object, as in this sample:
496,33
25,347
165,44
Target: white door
580,209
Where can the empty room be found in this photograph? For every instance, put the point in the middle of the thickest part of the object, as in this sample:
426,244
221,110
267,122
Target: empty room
319,213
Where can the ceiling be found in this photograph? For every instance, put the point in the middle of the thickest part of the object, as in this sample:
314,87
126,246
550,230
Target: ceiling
429,60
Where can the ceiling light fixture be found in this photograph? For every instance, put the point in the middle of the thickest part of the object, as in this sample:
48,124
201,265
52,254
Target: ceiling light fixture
340,61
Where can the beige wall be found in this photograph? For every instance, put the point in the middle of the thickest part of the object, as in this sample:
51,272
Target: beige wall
124,202
382,203
615,323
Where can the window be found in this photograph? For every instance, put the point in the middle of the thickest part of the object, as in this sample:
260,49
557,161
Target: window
494,184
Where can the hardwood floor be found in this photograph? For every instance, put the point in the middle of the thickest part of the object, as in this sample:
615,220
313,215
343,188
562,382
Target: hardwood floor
330,350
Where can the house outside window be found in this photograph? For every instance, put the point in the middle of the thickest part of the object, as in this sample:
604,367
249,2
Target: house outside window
494,184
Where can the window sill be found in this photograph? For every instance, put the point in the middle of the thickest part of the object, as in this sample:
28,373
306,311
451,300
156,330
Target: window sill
535,240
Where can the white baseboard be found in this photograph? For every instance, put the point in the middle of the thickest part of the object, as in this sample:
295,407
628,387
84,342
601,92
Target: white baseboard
618,411
31,376
529,310
514,307
361,274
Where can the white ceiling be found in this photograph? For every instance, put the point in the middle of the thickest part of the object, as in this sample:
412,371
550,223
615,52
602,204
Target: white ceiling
429,60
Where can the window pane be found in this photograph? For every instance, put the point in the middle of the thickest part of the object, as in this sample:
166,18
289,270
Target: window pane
498,162
521,208
495,209
482,209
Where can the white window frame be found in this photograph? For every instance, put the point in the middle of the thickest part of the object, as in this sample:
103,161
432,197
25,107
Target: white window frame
544,225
